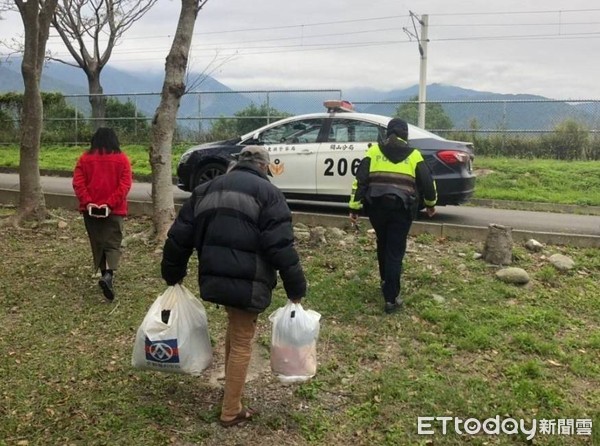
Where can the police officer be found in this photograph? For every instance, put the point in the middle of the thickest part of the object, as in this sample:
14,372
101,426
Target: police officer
391,182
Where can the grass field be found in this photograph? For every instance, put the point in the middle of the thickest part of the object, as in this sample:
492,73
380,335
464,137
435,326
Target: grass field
478,348
545,181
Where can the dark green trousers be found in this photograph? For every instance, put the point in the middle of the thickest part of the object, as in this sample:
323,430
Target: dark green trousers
106,235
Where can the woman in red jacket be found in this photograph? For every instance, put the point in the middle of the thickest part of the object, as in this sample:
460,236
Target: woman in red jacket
101,180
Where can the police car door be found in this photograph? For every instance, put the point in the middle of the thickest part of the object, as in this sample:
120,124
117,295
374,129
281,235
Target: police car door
293,150
340,155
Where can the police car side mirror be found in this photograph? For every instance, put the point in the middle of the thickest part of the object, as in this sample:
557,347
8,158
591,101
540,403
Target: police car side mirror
253,140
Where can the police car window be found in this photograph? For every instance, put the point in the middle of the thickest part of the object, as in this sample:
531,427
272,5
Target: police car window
296,132
349,130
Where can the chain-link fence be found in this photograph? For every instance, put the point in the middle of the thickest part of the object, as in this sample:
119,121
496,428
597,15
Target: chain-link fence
540,128
525,127
515,116
202,116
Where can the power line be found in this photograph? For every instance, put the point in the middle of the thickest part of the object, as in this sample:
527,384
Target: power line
272,28
319,46
469,25
555,11
522,37
325,47
363,20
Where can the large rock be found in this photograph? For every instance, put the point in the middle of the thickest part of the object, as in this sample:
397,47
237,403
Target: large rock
498,245
518,276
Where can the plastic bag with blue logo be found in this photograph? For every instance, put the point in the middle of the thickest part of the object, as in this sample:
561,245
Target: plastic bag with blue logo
294,343
173,336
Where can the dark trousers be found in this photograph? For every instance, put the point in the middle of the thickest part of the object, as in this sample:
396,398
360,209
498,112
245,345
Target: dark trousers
391,228
106,235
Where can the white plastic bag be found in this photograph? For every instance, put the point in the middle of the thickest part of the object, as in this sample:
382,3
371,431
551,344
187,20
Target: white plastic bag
294,343
173,336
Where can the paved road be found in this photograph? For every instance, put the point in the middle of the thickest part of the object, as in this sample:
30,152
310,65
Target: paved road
459,215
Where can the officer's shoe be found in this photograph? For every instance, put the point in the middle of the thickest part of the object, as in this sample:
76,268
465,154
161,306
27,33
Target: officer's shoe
106,283
391,307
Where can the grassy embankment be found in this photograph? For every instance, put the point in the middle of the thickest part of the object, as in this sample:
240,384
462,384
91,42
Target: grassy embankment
546,181
480,348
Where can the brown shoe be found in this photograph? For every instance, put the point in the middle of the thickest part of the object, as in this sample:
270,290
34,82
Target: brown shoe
245,415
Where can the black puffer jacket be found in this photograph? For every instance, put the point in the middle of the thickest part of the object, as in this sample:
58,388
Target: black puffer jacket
241,228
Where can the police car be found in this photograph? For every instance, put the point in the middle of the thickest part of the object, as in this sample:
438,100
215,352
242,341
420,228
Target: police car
314,157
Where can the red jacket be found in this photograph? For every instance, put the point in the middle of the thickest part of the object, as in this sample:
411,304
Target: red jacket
103,179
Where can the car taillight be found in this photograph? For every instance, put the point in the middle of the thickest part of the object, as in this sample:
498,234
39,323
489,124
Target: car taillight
453,156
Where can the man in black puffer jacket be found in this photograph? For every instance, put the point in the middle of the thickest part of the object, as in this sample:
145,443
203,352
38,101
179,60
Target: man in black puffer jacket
241,227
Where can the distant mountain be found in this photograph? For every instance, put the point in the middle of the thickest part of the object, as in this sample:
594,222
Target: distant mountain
126,85
490,111
11,79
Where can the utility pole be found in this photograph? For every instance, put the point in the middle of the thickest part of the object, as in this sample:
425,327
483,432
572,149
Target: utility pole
422,41
423,69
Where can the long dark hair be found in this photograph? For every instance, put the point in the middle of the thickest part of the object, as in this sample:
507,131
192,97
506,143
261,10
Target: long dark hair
105,141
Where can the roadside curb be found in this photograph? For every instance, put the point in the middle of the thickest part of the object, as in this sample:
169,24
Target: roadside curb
440,230
458,232
535,206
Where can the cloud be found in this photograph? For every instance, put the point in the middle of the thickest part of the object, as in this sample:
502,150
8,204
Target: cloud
513,47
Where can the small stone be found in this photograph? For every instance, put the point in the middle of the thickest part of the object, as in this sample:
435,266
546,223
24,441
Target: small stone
335,232
62,224
302,235
534,245
350,274
518,276
439,299
561,262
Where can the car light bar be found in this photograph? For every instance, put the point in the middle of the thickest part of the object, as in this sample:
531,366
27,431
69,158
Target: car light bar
453,156
338,106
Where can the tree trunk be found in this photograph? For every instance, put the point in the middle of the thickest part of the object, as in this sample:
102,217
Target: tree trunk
32,204
498,245
165,121
36,18
97,99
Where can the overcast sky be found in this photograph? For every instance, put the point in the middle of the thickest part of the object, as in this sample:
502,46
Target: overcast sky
547,47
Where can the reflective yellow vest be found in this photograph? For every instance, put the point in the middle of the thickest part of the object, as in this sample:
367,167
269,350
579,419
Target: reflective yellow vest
388,178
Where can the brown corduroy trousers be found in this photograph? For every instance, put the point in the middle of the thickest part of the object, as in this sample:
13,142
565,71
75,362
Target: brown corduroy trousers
241,328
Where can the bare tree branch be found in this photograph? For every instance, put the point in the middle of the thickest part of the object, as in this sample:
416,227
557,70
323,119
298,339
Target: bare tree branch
90,29
200,6
193,84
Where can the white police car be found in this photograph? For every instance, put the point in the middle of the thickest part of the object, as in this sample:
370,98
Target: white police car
315,156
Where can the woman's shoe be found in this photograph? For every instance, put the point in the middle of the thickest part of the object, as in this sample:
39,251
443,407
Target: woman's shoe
106,283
